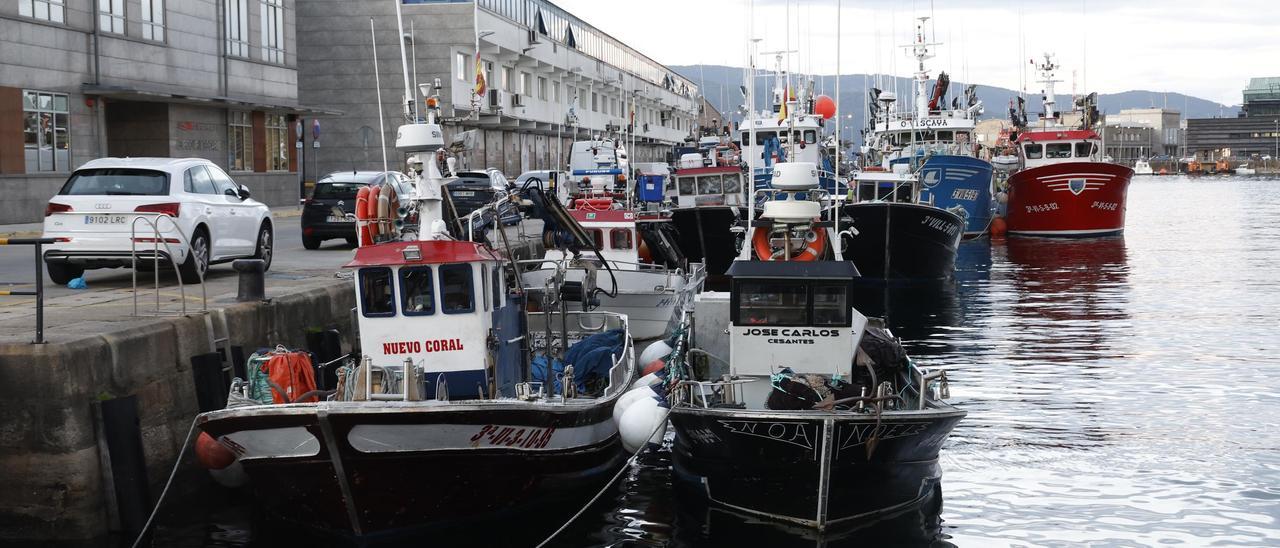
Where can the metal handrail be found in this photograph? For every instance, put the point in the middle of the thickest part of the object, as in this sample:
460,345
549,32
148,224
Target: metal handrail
39,291
155,257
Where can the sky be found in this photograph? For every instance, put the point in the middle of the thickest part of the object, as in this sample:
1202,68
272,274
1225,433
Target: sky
1207,49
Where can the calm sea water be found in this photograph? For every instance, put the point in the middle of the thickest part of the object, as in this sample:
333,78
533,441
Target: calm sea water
1121,392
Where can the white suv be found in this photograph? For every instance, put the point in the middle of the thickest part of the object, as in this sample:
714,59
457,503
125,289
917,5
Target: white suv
109,201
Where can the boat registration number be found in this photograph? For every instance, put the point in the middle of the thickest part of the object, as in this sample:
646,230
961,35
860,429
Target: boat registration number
464,193
1107,206
106,219
1041,208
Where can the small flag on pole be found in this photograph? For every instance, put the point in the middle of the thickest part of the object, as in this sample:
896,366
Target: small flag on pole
480,83
786,97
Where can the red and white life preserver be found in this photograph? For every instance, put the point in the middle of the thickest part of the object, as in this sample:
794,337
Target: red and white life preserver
815,246
362,216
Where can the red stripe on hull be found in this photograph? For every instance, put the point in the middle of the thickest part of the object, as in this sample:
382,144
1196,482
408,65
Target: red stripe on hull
1068,199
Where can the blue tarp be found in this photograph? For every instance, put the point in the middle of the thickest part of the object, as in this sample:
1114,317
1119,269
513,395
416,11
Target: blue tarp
591,358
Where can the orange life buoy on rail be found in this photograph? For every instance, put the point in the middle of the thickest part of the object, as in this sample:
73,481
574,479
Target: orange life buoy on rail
362,216
371,212
815,246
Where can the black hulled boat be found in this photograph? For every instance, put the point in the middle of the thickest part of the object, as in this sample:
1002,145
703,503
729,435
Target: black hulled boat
896,237
792,405
707,200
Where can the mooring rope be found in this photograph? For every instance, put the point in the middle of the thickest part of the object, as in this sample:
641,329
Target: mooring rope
630,462
138,541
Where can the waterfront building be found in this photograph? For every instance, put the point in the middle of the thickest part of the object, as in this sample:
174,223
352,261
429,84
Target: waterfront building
1127,142
550,78
82,79
1165,138
1254,134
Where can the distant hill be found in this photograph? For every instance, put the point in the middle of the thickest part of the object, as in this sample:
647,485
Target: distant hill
722,87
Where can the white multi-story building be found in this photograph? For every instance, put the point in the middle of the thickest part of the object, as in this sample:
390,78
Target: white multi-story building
551,78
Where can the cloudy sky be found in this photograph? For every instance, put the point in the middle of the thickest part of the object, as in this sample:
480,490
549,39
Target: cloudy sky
1207,49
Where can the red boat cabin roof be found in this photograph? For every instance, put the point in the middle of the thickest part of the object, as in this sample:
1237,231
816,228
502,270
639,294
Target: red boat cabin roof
603,215
1052,135
430,251
708,170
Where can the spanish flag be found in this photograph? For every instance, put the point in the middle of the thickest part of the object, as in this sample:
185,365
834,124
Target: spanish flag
480,84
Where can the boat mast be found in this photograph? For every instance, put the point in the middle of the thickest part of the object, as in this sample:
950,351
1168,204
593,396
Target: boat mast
920,50
409,101
1047,69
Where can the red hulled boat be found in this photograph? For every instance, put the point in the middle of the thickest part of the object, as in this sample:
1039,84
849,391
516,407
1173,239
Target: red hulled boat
1063,187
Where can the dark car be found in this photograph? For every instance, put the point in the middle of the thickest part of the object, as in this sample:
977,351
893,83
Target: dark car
330,212
473,190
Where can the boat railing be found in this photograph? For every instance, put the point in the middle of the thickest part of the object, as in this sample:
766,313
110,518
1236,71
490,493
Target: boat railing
620,373
702,388
929,381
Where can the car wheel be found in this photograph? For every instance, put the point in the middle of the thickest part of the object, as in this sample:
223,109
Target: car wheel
194,268
311,242
266,248
61,273
351,241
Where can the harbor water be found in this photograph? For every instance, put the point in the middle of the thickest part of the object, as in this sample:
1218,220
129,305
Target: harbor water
1120,392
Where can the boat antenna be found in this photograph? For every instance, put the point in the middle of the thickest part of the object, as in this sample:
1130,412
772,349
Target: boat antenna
836,186
377,82
409,113
413,41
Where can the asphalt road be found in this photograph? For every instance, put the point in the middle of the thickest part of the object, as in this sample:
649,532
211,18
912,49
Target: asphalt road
291,261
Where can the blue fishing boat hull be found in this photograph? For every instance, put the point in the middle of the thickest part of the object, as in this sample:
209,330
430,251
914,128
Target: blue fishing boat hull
948,181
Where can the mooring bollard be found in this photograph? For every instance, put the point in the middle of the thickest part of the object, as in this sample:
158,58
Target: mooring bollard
252,283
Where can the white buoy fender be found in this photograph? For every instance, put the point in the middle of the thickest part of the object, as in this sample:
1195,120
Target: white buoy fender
639,423
647,380
628,399
232,476
655,351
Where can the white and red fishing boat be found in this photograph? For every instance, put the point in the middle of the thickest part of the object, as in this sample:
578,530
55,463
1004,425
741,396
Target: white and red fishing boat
1062,187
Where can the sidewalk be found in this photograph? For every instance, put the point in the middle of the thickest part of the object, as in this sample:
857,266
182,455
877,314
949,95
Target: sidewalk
33,230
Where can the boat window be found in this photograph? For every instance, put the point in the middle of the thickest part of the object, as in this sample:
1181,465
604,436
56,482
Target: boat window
810,136
417,292
962,137
732,184
1057,150
1084,150
1033,151
455,287
484,280
772,303
497,286
829,305
710,184
686,185
597,237
620,238
377,297
945,135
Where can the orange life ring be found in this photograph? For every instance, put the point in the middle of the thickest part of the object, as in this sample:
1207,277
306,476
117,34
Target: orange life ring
362,219
813,250
595,204
393,207
371,212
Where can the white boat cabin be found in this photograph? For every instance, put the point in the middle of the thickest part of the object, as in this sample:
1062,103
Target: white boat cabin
708,186
435,303
612,230
1041,148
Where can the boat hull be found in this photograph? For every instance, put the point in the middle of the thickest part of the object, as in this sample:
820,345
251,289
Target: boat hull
902,241
1070,199
819,470
705,237
361,468
963,181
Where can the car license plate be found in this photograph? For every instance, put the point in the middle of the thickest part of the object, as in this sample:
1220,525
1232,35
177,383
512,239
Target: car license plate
335,219
464,193
106,219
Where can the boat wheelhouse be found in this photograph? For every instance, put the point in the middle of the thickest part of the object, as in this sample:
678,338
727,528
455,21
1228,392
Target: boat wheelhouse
897,235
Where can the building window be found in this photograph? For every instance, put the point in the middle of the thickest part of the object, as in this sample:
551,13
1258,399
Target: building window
273,31
111,16
542,88
237,23
506,78
277,142
46,131
239,141
48,10
153,20
460,66
555,91
595,102
526,83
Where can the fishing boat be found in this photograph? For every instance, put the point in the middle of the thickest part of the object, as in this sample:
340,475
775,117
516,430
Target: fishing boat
789,131
462,402
648,289
895,235
707,200
1064,187
789,404
936,140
